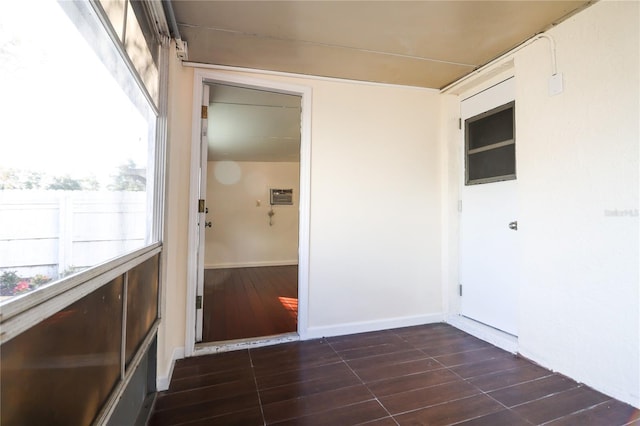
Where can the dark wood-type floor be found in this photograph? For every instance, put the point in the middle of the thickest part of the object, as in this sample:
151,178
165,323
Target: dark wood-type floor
425,375
249,302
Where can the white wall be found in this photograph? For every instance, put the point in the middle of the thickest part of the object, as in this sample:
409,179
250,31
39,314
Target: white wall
174,264
577,165
238,202
375,215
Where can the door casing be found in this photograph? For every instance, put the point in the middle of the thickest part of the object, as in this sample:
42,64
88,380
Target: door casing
488,248
201,78
202,214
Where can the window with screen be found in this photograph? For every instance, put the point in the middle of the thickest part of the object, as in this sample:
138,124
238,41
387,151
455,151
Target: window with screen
81,200
78,158
490,146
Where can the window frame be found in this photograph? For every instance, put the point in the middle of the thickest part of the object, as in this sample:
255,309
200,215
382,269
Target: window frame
23,312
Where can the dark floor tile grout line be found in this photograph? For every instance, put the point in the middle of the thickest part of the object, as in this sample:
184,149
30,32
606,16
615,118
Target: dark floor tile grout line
209,417
438,367
495,373
551,395
444,403
368,422
551,373
579,411
488,414
341,361
198,420
374,397
486,393
255,383
182,380
482,392
422,349
413,374
506,355
499,402
168,393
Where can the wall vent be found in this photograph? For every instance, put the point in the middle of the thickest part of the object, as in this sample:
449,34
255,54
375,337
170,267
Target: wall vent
280,197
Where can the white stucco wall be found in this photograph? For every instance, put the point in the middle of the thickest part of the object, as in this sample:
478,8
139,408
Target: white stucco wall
578,185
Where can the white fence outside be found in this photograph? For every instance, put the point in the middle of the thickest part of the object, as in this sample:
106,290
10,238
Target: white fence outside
55,232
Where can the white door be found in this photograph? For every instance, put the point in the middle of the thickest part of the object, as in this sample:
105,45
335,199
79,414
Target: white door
488,223
202,211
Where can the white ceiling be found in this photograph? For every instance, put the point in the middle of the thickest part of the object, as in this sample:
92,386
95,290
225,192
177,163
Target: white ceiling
416,43
252,125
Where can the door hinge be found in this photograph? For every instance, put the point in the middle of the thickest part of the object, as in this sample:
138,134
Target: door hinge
460,123
198,302
204,112
201,207
460,289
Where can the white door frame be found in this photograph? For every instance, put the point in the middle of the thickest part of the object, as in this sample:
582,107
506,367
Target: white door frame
200,78
497,337
202,215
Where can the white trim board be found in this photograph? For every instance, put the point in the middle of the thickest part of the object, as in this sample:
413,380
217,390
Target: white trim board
375,325
163,382
252,264
492,335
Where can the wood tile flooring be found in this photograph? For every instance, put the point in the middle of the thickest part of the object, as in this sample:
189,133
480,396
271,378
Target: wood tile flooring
426,375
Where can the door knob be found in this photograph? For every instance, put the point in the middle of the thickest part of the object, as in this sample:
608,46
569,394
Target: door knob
513,225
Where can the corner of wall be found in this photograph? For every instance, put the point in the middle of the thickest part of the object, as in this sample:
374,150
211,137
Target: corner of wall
174,270
163,381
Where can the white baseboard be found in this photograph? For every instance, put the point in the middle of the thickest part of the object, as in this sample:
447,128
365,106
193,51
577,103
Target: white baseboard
494,336
251,264
365,326
162,382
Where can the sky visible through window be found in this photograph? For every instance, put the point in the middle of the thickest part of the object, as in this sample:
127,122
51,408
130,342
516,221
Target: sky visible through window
62,112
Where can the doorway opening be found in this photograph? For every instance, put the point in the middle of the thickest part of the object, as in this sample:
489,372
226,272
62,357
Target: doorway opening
249,239
250,286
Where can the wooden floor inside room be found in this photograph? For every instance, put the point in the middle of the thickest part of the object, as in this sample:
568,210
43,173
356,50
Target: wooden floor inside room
249,302
425,375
